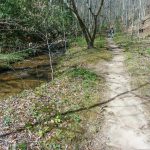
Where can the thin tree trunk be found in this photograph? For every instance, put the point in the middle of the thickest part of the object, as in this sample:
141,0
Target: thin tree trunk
50,58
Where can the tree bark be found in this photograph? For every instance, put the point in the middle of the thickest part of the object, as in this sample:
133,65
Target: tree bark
90,44
89,35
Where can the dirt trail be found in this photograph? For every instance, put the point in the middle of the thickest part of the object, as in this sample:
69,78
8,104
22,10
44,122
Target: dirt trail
126,123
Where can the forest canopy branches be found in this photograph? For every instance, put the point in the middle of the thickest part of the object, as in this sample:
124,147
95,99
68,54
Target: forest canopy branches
24,21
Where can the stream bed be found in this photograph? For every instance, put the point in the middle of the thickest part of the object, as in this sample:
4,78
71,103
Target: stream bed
27,74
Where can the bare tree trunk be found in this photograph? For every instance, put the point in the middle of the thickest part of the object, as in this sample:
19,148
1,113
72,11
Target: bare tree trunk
50,58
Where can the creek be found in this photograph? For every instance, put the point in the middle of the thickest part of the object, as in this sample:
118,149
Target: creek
27,74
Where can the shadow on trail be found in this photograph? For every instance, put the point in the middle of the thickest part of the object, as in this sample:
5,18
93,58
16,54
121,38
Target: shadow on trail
19,129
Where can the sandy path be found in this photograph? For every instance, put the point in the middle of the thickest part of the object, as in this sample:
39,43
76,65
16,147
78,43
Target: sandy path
126,123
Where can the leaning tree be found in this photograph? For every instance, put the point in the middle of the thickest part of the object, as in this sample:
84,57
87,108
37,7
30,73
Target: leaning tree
87,13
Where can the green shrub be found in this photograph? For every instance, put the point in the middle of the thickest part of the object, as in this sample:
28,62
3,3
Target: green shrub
15,56
22,146
100,42
80,41
84,74
148,50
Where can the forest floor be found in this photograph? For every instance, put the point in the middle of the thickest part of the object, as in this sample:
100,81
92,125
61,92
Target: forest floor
99,100
126,123
61,114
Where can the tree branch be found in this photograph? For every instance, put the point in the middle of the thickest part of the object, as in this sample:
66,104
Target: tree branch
82,24
100,8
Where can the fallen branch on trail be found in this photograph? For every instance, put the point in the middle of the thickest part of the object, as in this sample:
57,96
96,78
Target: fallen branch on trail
20,129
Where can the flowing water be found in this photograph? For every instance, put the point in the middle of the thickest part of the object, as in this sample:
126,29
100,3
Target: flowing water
25,75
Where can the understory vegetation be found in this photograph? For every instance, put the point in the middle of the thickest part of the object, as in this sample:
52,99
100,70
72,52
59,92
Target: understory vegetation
54,115
58,71
8,58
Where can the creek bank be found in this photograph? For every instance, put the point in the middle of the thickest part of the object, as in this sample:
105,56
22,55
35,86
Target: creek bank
29,72
74,88
7,61
26,74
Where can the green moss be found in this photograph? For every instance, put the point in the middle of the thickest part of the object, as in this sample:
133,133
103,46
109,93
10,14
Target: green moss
8,58
15,56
